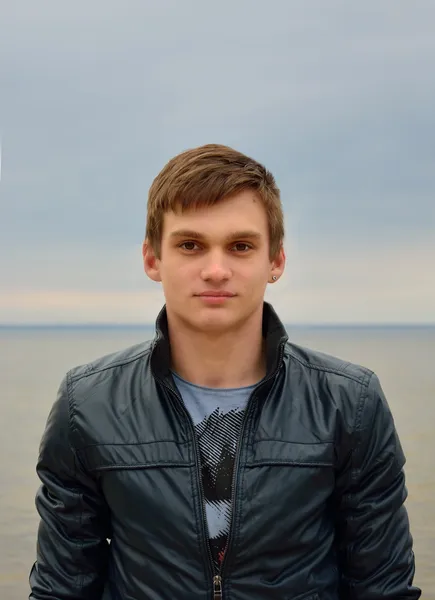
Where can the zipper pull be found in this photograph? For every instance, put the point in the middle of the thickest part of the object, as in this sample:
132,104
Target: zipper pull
217,587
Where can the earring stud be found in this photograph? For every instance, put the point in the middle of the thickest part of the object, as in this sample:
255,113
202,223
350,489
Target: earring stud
274,277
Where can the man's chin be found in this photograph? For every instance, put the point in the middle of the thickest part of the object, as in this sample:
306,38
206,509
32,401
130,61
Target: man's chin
213,319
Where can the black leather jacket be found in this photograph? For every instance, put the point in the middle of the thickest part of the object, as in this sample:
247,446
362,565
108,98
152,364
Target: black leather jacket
318,486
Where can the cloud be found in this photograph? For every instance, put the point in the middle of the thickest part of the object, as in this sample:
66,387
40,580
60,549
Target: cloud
95,98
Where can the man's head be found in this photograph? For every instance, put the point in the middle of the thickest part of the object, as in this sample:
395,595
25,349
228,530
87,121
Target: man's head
214,225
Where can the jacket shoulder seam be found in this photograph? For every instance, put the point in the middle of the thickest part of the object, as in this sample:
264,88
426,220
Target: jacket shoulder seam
361,403
357,431
89,370
364,379
71,412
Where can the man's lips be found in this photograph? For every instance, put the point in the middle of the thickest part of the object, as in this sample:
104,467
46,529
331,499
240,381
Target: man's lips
216,294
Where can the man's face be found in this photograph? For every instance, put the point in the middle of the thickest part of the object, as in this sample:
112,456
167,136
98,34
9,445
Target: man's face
214,263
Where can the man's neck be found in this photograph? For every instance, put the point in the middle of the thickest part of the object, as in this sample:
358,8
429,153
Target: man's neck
231,359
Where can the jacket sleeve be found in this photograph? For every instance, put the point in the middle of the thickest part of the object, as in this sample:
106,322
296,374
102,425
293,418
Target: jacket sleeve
72,546
374,539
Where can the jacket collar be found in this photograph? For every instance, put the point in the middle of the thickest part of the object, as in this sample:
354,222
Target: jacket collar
274,334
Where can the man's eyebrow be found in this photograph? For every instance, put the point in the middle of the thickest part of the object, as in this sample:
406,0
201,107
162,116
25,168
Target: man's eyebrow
232,235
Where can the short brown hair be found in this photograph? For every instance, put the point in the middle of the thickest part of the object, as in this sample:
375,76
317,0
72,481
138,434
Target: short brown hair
206,175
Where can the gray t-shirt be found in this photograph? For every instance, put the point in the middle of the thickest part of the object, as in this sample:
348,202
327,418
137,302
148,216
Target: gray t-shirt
217,415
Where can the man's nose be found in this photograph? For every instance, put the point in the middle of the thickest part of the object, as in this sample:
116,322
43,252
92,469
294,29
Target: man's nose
216,268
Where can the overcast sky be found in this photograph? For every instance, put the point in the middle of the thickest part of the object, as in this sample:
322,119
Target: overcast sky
336,98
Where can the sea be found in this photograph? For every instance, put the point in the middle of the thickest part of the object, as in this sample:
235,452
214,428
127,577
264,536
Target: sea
33,360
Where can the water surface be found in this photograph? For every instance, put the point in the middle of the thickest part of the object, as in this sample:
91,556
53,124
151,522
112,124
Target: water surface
33,361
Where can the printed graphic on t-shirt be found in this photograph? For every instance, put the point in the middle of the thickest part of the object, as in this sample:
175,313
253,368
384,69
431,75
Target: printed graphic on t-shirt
218,436
217,415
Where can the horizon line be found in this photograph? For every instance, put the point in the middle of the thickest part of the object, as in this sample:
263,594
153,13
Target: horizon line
151,325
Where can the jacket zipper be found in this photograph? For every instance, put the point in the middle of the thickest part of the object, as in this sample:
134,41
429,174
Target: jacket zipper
217,574
217,584
237,459
217,587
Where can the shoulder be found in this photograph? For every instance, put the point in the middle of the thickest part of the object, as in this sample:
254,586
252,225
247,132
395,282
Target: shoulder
327,365
348,395
351,389
108,381
97,393
109,364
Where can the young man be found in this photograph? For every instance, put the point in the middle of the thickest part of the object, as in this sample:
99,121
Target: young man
220,459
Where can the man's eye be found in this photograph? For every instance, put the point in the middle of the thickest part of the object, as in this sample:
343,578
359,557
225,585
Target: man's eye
188,245
242,247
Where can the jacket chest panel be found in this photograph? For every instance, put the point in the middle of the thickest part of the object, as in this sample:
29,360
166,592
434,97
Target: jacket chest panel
287,491
150,491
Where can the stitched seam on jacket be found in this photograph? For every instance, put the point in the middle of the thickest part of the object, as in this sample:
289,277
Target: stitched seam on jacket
81,574
71,409
277,461
354,470
123,466
291,442
90,371
336,371
363,399
163,441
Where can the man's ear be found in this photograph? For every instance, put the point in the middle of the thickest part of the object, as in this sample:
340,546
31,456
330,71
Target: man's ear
278,263
151,263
